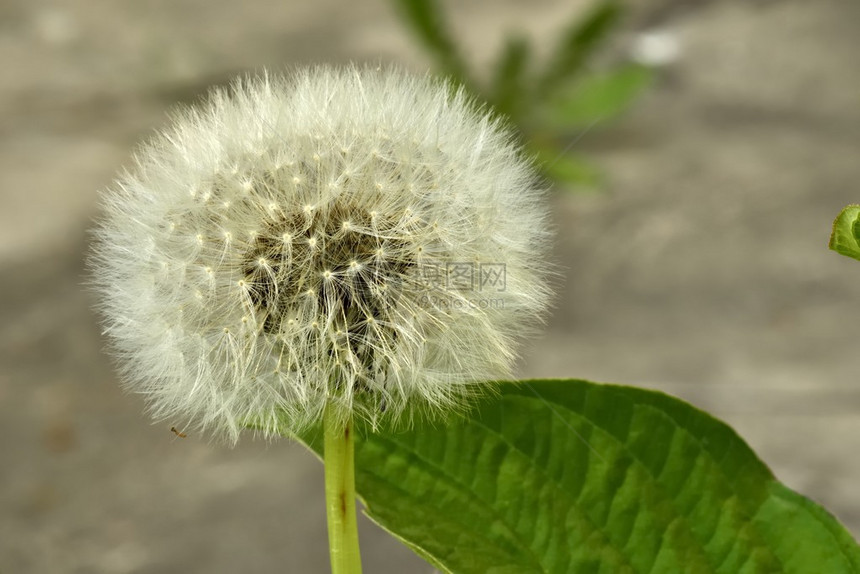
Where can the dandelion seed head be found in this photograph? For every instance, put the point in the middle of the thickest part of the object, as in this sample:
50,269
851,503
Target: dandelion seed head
284,232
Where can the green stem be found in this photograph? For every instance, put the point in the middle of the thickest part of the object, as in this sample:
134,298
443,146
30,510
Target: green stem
340,495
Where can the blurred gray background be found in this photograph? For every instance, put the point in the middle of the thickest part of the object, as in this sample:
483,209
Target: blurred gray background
702,269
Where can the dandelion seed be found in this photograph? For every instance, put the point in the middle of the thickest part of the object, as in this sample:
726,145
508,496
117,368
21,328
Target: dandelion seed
317,296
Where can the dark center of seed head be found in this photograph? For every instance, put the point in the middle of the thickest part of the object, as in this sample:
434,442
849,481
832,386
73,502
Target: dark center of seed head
332,254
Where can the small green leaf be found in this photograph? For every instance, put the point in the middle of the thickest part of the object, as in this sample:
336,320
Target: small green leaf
582,38
598,97
559,164
508,85
573,171
572,476
427,21
845,238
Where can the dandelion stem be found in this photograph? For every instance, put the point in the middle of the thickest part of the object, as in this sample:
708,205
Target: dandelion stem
340,495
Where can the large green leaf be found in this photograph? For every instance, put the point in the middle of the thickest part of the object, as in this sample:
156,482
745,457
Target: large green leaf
572,476
845,238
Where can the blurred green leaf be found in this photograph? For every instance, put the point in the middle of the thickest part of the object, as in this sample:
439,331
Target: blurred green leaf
597,97
558,163
544,105
508,90
571,170
573,476
845,238
427,22
582,38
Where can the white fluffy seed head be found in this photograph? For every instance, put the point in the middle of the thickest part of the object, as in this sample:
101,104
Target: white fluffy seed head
354,237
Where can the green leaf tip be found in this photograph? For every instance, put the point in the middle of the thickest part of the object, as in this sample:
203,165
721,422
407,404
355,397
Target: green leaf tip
572,476
845,237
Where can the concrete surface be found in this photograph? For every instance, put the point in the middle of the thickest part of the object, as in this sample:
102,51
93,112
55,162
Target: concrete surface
702,270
